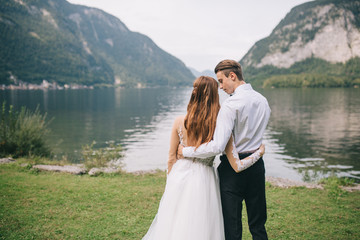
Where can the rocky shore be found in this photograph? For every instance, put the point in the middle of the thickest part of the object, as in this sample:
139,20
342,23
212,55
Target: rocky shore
79,169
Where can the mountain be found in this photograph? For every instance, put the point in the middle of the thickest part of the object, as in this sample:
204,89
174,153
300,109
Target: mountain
317,44
72,44
196,73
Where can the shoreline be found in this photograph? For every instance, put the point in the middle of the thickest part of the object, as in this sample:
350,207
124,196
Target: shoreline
80,170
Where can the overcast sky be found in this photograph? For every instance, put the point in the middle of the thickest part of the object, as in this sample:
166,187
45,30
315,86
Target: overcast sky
199,32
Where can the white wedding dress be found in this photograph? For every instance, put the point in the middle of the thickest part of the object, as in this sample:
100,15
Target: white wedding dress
190,208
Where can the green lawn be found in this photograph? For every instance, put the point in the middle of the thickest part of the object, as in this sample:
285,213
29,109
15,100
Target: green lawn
43,205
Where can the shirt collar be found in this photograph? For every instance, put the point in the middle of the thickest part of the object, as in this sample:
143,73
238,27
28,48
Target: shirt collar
242,87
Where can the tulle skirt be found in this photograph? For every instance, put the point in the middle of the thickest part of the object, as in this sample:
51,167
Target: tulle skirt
190,208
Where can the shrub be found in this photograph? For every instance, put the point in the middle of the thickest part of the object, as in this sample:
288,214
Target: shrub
23,133
100,157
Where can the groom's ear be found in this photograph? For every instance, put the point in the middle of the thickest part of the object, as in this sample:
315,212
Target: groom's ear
232,76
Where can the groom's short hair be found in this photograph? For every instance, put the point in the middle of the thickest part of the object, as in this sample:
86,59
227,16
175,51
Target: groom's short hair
227,66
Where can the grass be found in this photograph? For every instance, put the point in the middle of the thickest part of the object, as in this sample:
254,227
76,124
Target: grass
44,205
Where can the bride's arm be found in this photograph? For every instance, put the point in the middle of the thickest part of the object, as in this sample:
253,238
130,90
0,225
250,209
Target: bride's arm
174,143
241,164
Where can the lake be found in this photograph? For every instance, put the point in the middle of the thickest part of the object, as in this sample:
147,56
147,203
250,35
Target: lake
312,133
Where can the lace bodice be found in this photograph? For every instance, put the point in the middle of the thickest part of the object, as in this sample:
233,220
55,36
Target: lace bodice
206,161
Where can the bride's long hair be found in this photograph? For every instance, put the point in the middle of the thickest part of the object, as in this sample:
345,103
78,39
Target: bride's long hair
202,111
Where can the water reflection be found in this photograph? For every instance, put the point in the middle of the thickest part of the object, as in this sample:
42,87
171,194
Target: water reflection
318,129
147,145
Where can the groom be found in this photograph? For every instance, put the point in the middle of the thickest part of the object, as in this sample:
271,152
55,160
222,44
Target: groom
245,115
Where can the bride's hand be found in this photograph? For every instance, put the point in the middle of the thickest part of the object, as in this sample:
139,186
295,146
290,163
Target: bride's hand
262,150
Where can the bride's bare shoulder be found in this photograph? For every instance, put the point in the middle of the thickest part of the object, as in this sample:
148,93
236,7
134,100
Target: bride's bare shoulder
180,119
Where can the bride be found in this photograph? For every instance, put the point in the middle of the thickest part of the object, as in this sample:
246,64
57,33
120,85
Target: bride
190,207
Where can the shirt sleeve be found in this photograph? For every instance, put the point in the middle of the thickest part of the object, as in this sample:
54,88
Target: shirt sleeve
224,126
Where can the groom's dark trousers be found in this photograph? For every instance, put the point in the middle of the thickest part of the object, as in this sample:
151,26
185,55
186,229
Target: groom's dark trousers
248,185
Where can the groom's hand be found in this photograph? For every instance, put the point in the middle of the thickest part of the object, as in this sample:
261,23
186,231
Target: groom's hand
179,152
